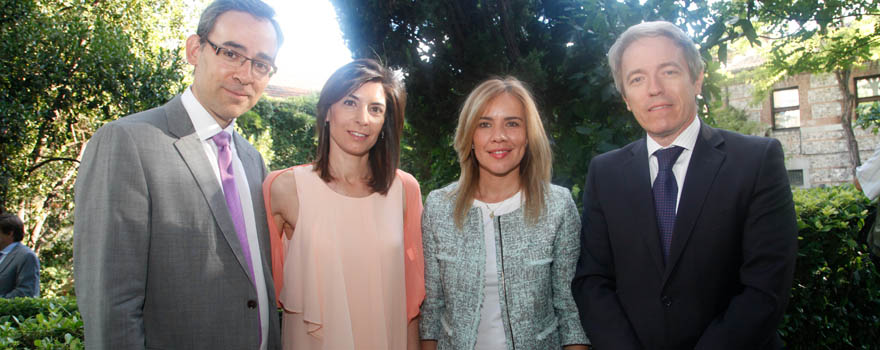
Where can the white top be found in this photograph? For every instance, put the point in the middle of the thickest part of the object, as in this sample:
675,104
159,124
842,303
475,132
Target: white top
687,139
206,127
869,175
490,332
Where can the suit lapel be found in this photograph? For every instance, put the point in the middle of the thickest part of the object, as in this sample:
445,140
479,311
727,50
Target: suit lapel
637,182
8,260
253,169
190,148
704,164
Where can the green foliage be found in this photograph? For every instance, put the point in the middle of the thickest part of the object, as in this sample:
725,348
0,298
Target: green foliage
56,266
868,116
287,125
809,36
734,119
69,67
29,323
835,299
445,48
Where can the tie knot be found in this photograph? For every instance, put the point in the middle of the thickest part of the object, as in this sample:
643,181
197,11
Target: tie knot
667,156
221,139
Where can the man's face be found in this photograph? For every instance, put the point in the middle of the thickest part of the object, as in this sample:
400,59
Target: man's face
225,89
658,88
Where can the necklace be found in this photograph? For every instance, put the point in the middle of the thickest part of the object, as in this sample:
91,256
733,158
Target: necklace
492,209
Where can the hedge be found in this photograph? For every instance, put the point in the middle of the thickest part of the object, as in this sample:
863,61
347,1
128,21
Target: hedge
835,298
29,323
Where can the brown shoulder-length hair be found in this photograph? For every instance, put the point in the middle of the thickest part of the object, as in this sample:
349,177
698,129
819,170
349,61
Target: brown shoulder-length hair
534,169
385,154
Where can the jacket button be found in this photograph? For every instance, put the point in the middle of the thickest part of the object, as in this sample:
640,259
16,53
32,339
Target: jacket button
252,304
667,301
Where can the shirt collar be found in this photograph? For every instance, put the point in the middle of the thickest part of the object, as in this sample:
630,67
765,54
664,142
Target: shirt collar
8,248
687,139
205,125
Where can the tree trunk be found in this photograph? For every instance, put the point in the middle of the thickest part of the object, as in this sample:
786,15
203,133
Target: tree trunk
846,117
35,211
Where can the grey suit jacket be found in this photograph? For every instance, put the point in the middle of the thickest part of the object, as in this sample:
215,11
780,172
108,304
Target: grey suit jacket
157,261
20,274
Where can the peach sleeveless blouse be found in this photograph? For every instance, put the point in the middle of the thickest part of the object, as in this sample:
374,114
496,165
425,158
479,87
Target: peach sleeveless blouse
343,277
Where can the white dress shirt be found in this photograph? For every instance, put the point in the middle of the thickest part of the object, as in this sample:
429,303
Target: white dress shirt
490,332
687,139
206,127
869,175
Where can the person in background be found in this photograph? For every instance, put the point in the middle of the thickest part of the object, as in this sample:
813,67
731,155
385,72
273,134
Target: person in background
502,242
19,266
345,228
690,235
170,239
867,180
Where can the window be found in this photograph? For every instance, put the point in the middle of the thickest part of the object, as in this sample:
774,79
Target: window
786,108
868,97
796,177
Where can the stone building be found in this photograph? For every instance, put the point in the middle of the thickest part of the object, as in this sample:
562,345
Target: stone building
803,113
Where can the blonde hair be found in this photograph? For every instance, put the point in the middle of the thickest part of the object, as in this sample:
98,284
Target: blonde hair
535,166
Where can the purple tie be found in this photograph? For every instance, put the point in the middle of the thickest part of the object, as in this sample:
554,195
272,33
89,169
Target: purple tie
665,195
230,191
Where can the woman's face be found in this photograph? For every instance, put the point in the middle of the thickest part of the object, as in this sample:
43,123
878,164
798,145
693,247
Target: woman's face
500,138
356,120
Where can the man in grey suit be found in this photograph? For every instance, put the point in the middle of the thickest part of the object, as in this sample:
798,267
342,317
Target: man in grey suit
171,246
19,266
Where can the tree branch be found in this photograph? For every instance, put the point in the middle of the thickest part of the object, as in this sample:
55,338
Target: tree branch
49,160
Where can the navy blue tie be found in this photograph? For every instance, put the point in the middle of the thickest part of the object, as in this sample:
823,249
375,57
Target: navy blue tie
665,195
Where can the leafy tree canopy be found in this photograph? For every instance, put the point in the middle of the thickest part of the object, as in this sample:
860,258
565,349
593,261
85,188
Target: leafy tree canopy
445,48
808,36
68,67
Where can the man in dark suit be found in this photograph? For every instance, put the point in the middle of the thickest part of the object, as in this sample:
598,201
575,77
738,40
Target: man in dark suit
689,234
171,245
19,266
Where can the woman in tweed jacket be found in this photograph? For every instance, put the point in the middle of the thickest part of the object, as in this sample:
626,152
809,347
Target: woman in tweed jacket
501,244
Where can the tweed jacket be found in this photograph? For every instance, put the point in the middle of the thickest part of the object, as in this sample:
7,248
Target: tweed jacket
535,266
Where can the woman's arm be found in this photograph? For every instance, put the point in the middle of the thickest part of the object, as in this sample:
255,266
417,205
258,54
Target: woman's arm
284,203
429,325
429,345
412,335
566,250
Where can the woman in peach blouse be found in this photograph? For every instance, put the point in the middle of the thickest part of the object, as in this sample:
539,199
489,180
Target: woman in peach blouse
351,277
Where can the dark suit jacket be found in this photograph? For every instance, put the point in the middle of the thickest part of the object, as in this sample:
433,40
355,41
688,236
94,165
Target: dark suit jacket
20,273
156,258
730,266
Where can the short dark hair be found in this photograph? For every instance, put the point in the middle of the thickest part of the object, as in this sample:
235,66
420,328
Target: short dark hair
11,224
385,154
256,8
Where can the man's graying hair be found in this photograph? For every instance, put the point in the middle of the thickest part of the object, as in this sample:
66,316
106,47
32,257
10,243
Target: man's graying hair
653,29
256,8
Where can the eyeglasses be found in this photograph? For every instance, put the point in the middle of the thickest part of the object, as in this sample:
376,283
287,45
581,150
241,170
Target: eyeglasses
259,67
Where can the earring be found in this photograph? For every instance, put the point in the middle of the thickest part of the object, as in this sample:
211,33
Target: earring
382,134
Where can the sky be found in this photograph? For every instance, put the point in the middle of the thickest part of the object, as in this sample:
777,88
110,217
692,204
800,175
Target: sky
313,47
